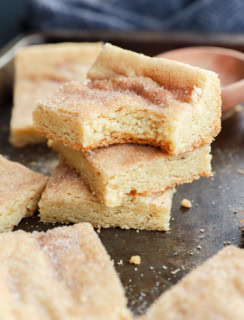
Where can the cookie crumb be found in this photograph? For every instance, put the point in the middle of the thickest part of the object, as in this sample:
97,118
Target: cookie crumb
175,271
199,247
186,203
120,263
135,260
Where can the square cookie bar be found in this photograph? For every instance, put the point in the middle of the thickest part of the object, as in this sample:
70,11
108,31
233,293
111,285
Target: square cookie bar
62,274
67,199
134,98
20,192
120,170
39,71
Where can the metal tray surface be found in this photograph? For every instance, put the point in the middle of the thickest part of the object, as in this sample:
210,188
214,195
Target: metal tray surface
196,234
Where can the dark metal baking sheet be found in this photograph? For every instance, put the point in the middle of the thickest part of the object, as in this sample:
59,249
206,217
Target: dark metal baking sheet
210,223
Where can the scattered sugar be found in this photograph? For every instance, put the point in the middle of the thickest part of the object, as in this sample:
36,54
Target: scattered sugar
120,263
175,271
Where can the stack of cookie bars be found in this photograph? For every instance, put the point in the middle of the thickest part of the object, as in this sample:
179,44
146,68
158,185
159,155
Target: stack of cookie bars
136,128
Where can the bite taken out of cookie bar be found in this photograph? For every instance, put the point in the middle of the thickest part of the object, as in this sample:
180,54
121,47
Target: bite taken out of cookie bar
132,98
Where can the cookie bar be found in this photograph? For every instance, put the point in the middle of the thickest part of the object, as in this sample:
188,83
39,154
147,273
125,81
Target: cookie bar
134,98
212,291
120,170
67,199
39,71
64,273
20,192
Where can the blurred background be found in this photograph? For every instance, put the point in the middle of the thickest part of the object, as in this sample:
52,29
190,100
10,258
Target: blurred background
218,16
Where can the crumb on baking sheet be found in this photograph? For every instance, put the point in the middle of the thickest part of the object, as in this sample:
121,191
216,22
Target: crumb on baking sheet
175,271
240,171
135,260
186,203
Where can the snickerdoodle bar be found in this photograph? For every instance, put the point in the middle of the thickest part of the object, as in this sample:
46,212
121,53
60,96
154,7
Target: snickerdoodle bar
130,97
62,274
20,192
215,290
39,71
120,170
67,199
